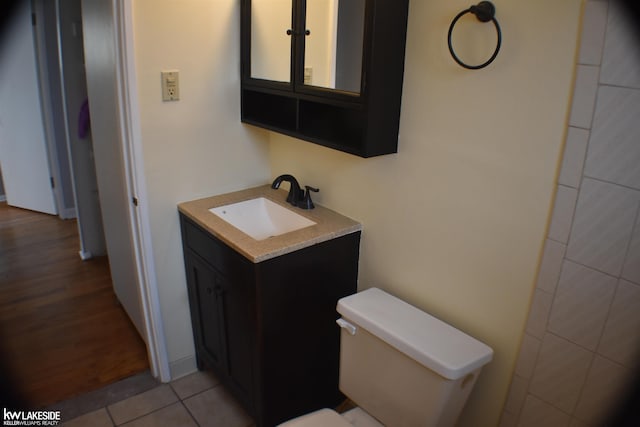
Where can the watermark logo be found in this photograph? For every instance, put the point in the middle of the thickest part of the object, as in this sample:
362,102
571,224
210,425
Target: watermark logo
30,418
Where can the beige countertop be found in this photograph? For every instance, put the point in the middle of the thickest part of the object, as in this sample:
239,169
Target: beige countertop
329,224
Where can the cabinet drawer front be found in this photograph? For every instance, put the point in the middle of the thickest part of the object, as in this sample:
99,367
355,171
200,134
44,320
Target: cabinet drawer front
211,250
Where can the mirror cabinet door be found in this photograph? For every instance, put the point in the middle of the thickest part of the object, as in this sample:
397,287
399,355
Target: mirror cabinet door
333,47
270,43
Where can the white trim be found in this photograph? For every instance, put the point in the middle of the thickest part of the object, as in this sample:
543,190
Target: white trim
139,216
67,133
3,198
68,213
84,255
45,104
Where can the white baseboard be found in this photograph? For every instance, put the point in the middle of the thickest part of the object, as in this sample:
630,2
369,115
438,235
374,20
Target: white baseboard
68,213
85,255
3,198
182,367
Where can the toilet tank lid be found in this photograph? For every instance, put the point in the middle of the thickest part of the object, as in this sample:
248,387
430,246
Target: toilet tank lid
440,347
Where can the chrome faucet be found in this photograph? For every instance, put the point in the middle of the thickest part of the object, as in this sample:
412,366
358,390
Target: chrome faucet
297,197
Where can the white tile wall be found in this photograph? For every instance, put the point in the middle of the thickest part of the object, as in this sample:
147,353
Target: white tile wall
574,155
551,265
594,25
584,98
591,341
621,54
621,341
631,269
581,304
605,214
560,372
614,148
537,413
539,315
528,355
517,395
563,213
601,391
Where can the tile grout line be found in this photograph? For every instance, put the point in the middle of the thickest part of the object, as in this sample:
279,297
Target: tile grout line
148,413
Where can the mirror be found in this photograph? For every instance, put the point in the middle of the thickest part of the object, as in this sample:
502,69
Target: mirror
334,46
270,44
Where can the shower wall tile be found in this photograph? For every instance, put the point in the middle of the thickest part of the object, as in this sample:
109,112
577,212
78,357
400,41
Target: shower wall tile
539,313
527,357
517,395
604,219
631,268
594,25
573,158
581,304
537,413
614,149
602,390
560,373
563,210
551,265
620,340
584,96
621,57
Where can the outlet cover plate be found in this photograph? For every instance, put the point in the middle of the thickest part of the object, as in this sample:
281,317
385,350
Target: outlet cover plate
170,85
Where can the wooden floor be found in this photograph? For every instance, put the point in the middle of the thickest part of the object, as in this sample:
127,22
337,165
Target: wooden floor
62,330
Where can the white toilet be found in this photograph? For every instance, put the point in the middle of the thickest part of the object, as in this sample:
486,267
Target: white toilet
400,365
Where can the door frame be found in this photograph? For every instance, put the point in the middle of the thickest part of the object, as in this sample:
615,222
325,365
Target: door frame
131,140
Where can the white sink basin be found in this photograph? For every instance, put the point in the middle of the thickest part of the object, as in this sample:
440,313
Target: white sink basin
261,218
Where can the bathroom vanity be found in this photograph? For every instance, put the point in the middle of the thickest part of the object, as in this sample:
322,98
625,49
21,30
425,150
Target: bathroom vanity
264,311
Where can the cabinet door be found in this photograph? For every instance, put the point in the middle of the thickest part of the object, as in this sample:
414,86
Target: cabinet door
222,320
205,294
268,33
332,45
237,307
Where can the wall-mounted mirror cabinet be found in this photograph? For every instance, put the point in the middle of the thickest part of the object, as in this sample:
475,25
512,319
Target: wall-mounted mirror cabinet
326,71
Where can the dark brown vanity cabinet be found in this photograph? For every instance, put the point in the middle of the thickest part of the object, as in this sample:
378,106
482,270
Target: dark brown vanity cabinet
326,71
267,330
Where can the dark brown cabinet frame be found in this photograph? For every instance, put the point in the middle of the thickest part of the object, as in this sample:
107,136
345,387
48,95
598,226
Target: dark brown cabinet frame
364,124
267,330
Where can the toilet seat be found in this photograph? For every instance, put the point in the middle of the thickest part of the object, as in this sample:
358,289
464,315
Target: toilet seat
320,418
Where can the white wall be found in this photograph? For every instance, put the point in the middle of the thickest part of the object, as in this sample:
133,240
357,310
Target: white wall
454,222
194,147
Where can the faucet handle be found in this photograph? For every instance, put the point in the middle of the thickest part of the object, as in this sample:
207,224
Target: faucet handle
306,202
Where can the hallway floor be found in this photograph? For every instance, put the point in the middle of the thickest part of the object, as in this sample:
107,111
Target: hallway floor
62,330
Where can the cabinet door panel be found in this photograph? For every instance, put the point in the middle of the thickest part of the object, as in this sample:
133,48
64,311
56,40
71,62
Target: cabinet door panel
239,334
206,300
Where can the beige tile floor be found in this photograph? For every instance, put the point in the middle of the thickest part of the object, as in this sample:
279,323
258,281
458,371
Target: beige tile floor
195,400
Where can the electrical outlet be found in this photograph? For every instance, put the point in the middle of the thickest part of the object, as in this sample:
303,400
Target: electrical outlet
170,85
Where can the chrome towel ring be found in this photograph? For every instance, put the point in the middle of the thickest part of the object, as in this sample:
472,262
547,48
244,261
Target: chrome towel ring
485,11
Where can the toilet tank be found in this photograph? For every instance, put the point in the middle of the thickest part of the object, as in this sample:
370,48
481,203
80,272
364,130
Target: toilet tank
403,366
